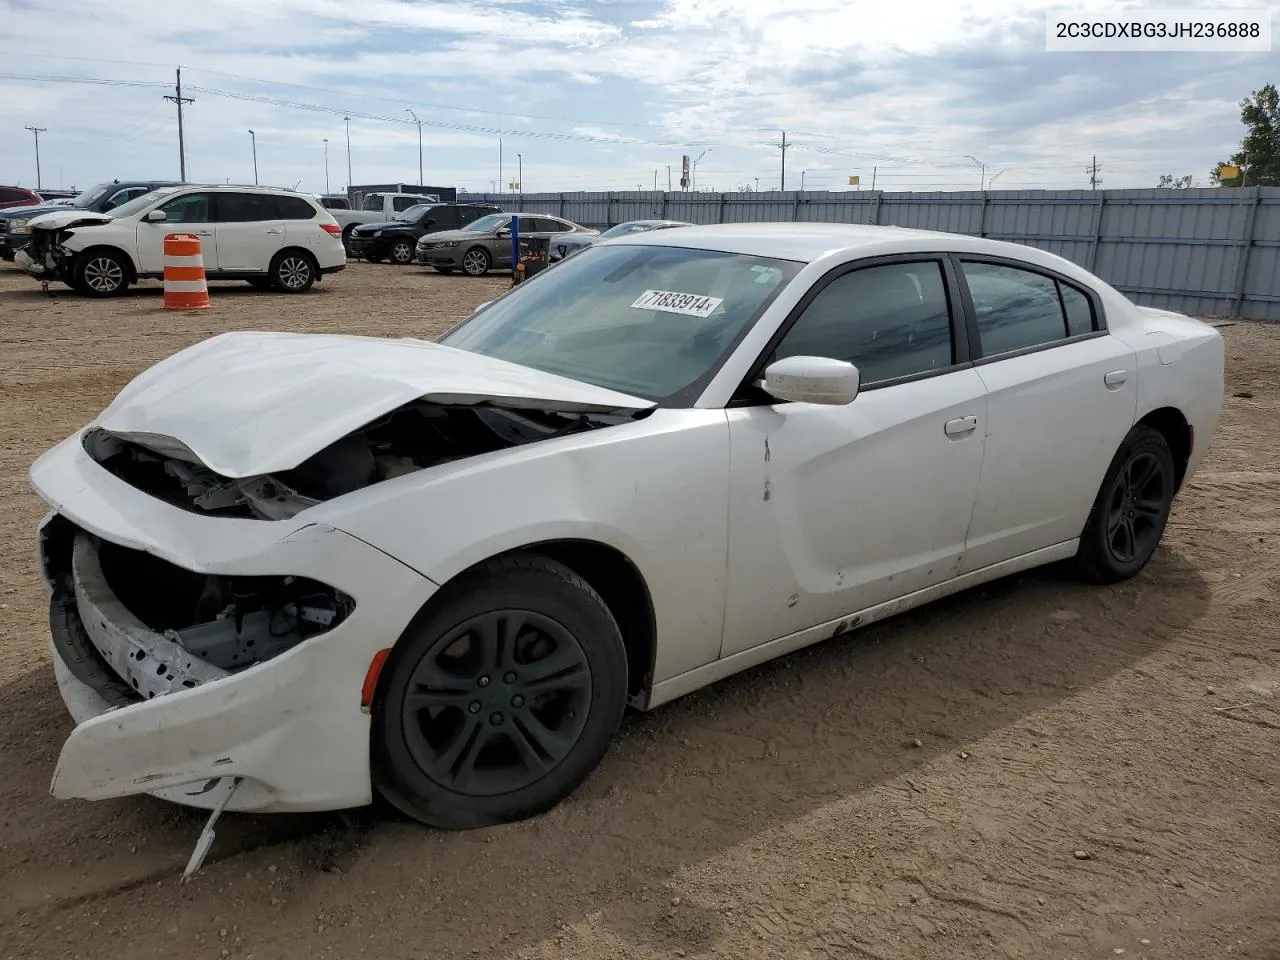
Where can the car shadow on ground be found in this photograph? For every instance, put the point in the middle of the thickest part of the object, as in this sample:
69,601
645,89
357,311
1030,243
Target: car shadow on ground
682,784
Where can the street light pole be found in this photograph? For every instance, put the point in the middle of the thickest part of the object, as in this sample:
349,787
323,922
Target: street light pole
982,171
694,168
347,121
326,165
419,123
37,131
254,140
520,173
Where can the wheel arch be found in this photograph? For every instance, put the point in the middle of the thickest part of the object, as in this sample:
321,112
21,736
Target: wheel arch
608,571
1177,432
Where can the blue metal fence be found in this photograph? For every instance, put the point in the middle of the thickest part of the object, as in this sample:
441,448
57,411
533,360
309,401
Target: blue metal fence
1207,252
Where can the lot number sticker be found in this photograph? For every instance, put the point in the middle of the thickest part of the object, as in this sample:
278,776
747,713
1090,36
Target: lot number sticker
689,304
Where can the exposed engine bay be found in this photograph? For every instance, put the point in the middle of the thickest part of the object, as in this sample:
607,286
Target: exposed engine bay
413,437
134,626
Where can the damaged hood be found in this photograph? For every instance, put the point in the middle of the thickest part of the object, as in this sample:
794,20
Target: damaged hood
64,218
245,404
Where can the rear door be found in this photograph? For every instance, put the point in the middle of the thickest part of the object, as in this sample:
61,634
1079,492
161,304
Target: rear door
250,231
1061,395
187,213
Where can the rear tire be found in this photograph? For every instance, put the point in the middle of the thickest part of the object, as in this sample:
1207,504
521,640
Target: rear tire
294,271
1131,510
495,706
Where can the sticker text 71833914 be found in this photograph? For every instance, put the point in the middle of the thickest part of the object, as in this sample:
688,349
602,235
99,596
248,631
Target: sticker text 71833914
689,304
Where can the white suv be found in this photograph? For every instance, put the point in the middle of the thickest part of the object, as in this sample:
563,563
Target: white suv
269,237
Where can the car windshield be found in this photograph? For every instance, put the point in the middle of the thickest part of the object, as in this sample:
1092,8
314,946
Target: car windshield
86,197
484,224
651,321
414,212
622,229
139,203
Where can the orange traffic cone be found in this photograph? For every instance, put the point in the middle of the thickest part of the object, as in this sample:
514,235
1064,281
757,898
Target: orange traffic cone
184,283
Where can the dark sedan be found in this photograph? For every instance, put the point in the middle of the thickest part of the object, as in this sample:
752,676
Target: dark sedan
569,243
396,239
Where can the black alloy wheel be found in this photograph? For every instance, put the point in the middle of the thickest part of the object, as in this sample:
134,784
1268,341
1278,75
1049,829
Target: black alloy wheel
1131,509
499,703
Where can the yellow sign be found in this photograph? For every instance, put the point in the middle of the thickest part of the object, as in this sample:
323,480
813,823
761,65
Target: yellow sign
854,181
1228,172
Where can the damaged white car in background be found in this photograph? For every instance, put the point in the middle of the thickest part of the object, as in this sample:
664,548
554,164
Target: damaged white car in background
289,570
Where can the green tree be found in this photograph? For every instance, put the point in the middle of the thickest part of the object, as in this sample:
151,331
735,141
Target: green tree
1259,153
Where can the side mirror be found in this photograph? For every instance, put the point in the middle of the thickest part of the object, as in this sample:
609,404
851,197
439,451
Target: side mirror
504,232
430,221
156,216
482,306
812,380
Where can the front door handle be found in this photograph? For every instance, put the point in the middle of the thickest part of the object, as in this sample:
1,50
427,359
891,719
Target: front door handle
961,426
1115,379
204,233
276,232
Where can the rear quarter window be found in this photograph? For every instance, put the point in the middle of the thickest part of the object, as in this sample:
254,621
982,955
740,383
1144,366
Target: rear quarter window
294,208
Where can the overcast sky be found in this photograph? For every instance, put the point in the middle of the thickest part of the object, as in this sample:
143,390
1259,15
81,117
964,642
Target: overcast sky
605,94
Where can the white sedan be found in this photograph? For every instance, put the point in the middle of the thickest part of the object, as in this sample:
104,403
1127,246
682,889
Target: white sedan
288,570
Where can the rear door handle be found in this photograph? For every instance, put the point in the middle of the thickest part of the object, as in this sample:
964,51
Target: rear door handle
961,426
1115,379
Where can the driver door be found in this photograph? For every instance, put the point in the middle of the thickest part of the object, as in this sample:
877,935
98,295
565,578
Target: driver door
834,509
187,213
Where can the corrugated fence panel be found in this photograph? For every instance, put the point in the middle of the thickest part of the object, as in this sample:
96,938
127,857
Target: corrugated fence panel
1212,251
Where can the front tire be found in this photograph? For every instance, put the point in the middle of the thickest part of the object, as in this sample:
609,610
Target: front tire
1131,510
500,702
476,262
293,271
100,273
402,252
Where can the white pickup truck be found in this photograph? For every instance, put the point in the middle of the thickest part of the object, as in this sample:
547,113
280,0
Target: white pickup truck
376,208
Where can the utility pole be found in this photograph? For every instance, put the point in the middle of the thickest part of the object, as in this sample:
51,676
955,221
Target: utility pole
873,177
1092,170
784,160
179,99
326,165
347,121
501,179
254,140
520,173
419,123
37,131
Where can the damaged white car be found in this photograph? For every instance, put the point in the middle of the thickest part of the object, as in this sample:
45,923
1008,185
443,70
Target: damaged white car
289,570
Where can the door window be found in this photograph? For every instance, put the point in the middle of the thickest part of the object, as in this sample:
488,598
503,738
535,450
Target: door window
188,208
399,204
446,218
246,208
1016,308
889,321
1079,310
548,225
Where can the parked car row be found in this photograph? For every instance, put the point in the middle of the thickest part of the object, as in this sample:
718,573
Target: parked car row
99,198
270,237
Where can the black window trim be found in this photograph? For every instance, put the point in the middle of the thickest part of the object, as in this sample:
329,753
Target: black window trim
1060,279
748,394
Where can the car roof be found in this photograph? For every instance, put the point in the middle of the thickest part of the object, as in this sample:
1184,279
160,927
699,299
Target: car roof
806,242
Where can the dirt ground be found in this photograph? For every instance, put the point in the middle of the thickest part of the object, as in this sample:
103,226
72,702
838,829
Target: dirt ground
1034,769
